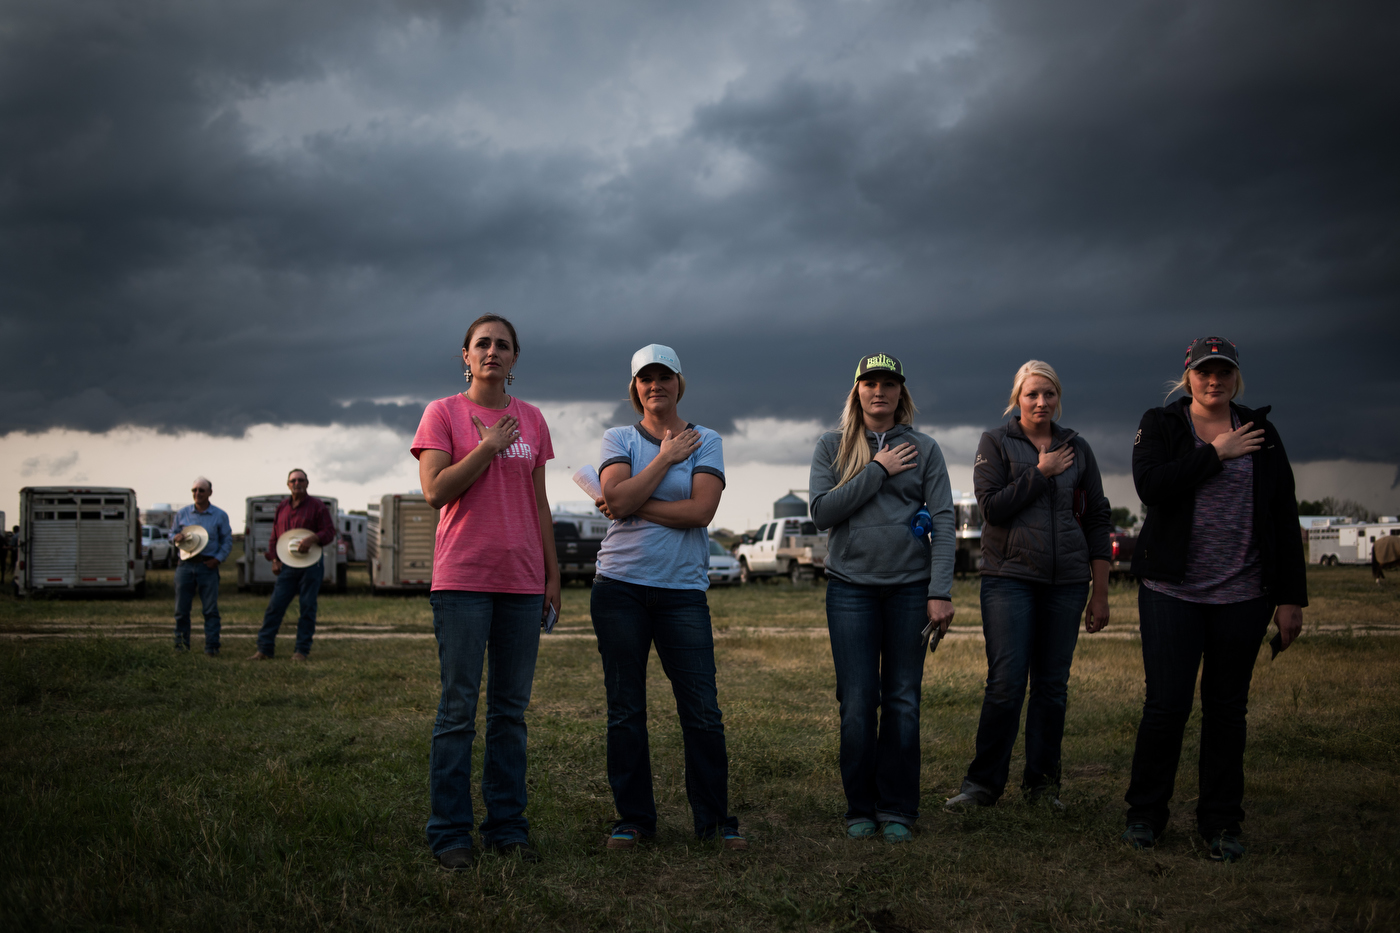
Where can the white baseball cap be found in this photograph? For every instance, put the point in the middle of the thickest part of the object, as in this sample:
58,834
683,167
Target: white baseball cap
656,353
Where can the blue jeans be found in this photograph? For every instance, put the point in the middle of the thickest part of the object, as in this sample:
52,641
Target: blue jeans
191,575
504,628
628,618
1031,631
1176,636
304,582
878,650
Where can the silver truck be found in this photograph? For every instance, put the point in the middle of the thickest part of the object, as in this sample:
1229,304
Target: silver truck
400,539
79,540
255,570
785,547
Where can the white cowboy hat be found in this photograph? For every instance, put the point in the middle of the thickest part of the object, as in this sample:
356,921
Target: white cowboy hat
287,551
195,540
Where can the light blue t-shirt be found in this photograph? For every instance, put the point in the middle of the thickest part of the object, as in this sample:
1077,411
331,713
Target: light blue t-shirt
645,553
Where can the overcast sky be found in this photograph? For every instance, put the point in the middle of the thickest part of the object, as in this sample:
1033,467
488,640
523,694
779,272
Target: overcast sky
217,215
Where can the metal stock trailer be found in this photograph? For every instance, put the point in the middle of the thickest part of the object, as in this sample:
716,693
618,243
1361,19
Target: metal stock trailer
400,540
79,540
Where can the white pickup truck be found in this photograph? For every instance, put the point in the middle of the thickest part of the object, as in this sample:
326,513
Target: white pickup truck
790,547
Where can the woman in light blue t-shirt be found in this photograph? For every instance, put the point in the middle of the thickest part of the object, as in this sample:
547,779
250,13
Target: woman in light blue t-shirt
662,479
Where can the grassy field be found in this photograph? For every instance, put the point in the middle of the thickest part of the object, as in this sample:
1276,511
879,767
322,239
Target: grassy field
142,789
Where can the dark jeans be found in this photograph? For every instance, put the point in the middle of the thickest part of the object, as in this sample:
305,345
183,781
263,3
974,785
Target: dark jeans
878,651
627,619
1031,631
191,575
1176,635
505,629
304,582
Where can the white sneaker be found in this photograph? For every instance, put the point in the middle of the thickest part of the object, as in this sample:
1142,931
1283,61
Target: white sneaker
960,802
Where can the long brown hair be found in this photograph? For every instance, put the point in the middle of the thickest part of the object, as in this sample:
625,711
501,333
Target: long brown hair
854,453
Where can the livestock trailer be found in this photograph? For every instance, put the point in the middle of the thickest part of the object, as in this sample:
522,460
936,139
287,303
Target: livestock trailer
1347,543
967,530
79,540
400,540
352,529
255,570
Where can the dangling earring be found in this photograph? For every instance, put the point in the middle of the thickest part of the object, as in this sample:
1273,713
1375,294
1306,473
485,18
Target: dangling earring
467,374
510,378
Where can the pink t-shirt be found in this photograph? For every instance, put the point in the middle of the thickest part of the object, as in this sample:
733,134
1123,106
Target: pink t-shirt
488,539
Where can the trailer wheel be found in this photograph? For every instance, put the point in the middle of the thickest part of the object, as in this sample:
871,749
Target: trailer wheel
744,575
147,561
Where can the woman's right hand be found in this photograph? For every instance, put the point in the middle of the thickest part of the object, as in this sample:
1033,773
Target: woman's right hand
678,448
904,457
500,435
1055,462
1231,444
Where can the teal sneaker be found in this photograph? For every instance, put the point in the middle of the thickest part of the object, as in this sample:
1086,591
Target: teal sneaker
896,832
1226,847
1139,836
862,829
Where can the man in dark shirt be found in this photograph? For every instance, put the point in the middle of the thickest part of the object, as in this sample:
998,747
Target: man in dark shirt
297,511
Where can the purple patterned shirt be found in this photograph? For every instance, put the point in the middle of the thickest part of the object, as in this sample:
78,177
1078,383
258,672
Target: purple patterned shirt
1222,565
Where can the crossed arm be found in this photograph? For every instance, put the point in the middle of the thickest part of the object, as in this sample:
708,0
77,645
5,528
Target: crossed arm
625,495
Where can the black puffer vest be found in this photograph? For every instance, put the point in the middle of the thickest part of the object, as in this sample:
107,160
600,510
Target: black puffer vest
1029,529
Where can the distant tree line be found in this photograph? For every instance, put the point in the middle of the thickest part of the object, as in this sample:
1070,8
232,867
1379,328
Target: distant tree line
1348,508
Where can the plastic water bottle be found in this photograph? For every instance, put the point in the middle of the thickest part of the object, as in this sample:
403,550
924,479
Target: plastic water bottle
921,524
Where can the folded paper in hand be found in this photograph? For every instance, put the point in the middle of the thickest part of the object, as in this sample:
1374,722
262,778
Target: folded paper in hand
587,479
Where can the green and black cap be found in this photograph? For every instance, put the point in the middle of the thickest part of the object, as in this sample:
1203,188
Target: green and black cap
877,363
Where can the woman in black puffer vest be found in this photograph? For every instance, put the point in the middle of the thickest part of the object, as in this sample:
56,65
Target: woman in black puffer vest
1038,559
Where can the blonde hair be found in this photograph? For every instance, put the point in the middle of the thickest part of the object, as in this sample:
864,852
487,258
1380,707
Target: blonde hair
1034,368
1183,385
853,455
637,399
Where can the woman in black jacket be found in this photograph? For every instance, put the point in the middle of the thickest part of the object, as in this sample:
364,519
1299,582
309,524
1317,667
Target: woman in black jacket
1039,556
1218,553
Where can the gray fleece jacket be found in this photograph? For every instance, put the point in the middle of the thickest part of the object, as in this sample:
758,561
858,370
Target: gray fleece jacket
869,517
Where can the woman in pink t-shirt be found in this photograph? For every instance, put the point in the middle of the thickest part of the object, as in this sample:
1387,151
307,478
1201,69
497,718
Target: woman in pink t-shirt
481,457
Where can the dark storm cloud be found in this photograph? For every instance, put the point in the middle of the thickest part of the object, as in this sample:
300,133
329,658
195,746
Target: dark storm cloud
963,186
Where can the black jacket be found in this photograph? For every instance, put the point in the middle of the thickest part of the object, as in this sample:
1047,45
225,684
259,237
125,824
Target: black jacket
1167,468
1030,531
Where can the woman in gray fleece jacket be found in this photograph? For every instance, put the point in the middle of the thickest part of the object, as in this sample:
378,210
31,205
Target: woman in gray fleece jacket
1046,537
887,587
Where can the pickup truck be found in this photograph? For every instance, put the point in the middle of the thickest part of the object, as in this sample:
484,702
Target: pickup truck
1123,543
578,556
789,547
158,550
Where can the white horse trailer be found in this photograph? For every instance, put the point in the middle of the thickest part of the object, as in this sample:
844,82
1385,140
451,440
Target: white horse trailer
400,541
1347,543
352,529
79,541
255,570
967,529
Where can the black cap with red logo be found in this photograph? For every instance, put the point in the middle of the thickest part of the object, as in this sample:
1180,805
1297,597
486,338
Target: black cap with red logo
1211,348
